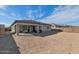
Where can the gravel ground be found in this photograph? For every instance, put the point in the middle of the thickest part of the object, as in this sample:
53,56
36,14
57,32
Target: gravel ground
62,42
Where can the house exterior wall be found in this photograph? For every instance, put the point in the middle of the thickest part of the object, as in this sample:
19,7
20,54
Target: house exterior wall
53,26
13,28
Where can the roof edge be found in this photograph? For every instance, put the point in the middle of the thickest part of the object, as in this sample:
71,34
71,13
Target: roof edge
28,20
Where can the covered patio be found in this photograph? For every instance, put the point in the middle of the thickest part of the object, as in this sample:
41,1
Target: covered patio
27,29
22,29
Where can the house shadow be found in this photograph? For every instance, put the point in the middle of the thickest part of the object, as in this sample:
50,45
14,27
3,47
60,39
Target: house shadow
43,34
8,45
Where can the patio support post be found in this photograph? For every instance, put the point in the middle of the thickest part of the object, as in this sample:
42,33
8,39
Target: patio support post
17,29
37,28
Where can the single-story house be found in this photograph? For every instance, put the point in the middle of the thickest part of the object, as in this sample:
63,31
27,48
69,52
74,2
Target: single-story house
29,26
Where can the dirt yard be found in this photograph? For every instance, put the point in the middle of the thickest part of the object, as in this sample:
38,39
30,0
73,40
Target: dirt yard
62,42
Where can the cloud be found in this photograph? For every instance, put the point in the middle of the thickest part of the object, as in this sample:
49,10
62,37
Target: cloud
34,14
40,13
13,15
3,7
30,15
2,23
4,12
63,14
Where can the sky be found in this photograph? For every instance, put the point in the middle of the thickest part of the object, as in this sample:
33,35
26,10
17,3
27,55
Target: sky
58,14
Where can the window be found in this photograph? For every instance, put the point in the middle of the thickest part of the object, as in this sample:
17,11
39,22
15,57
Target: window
23,27
39,27
48,27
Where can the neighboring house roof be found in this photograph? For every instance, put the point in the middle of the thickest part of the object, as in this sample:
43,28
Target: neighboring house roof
29,21
2,26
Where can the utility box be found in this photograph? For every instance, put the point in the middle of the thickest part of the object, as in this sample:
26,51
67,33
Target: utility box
2,30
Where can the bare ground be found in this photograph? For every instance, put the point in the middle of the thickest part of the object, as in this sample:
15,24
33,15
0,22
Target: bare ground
62,42
8,45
